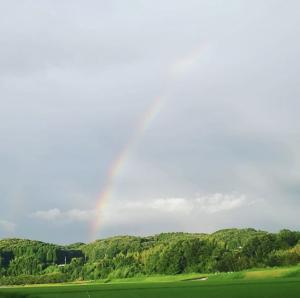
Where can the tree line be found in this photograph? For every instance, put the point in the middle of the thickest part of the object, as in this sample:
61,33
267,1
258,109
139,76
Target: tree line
26,261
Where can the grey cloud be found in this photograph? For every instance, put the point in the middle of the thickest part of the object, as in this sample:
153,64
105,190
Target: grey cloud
75,78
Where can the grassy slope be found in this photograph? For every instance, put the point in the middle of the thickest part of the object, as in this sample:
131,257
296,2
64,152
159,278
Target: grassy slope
273,283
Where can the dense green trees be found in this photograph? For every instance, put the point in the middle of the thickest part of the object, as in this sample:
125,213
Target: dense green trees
25,261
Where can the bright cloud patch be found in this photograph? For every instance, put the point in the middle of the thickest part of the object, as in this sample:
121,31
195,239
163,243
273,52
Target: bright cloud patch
51,214
69,215
212,203
220,202
172,205
7,226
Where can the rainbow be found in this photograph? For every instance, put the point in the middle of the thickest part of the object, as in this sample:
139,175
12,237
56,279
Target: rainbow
118,163
177,69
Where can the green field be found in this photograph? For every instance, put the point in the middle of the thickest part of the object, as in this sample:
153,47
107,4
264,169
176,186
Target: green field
271,283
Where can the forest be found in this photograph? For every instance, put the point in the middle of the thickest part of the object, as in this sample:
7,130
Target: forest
26,261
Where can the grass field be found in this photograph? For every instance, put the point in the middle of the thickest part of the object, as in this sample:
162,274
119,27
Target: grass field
272,283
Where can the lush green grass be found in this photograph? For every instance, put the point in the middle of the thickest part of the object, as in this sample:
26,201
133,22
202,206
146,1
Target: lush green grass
267,283
276,288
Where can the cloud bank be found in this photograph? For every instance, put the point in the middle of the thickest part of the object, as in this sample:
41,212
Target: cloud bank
149,211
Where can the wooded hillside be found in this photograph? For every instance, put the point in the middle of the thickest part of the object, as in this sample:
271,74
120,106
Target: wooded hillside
27,261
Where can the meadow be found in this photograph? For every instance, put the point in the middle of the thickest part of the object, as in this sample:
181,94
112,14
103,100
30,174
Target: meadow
266,283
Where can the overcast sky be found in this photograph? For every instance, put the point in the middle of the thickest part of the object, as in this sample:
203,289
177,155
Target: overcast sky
76,81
